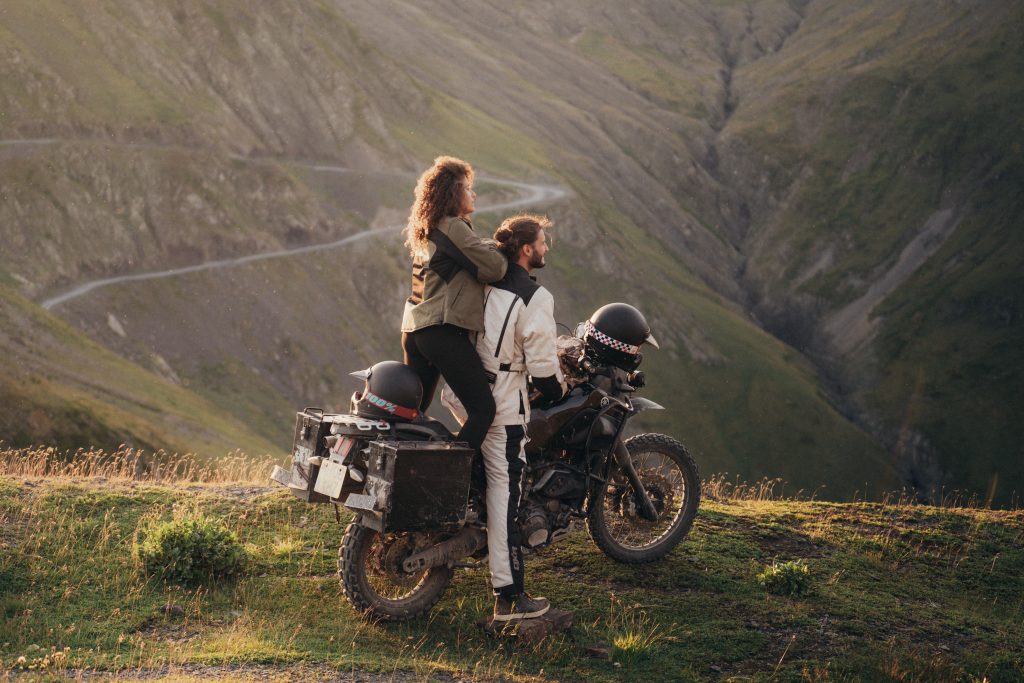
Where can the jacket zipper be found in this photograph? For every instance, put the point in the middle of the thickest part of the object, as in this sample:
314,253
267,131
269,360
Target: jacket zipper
501,337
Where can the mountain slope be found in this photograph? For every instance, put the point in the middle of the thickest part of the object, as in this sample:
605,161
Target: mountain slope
884,227
60,388
733,165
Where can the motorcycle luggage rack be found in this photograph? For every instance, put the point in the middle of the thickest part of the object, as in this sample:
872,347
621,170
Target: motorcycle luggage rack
310,453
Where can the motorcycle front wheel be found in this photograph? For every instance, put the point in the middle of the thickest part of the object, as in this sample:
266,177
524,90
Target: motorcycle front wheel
669,475
370,566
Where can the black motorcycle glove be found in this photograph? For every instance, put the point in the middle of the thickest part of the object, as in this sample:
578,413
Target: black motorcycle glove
550,391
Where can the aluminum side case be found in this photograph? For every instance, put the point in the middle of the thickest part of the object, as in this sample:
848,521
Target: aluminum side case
414,486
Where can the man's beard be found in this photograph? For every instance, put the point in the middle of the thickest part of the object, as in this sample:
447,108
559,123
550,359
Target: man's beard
537,261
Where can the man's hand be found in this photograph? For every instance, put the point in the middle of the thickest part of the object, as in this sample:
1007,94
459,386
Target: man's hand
546,390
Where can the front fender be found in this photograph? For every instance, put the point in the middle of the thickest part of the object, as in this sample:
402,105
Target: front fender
642,404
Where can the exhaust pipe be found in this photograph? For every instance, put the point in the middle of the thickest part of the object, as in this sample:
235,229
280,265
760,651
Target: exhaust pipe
466,542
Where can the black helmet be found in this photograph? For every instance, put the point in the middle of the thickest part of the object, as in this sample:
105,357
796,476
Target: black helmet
615,333
393,391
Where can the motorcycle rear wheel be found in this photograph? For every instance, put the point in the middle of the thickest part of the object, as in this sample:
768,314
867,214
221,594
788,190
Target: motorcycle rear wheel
672,482
369,564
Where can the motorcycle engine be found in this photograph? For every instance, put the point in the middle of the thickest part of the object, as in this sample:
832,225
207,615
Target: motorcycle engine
561,483
534,527
545,514
543,523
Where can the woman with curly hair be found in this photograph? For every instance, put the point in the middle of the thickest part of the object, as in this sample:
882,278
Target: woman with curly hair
450,265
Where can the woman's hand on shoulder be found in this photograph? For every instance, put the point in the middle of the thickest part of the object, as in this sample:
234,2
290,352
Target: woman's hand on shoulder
489,264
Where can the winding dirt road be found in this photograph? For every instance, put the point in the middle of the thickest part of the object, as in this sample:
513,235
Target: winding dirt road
532,195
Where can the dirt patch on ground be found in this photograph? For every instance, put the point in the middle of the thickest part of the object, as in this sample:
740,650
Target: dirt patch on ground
787,545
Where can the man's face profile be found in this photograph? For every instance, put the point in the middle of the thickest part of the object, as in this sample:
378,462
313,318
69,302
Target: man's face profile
537,250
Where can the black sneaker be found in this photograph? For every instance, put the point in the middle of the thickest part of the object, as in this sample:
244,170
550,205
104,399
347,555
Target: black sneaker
522,607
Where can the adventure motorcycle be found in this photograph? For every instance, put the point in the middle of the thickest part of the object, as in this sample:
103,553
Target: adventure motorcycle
418,517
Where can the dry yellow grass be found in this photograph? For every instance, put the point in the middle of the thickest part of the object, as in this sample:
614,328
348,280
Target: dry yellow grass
130,464
722,487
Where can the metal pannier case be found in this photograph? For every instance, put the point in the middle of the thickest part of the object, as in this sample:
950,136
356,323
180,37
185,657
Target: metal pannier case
414,485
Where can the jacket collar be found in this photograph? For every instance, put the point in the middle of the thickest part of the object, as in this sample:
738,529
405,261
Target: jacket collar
517,272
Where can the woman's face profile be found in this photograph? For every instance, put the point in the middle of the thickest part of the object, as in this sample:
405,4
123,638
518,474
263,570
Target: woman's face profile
468,200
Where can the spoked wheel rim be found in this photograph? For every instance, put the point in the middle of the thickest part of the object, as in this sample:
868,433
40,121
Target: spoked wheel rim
370,567
665,483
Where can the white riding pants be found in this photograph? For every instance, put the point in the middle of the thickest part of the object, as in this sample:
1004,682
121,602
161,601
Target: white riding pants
504,464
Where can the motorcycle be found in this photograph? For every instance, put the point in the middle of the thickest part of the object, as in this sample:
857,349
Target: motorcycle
418,517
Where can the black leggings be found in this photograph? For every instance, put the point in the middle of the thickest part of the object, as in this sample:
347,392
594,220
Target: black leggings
446,350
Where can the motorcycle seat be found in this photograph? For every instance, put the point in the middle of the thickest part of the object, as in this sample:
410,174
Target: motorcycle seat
423,427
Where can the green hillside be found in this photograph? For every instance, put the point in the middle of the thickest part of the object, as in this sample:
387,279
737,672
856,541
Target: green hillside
833,175
60,388
745,404
897,179
894,592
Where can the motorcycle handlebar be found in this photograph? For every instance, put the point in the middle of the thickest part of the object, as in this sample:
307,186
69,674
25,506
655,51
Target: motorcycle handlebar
630,382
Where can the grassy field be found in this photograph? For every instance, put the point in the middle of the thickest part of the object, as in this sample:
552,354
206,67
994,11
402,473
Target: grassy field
894,592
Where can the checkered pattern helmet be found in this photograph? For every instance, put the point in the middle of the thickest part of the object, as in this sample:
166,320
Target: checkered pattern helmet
615,333
393,392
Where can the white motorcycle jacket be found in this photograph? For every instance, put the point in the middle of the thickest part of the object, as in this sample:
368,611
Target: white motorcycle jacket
518,340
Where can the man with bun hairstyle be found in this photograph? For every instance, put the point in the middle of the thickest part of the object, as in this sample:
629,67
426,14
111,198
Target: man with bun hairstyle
518,340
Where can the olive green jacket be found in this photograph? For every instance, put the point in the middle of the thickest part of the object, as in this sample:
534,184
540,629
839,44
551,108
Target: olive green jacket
448,280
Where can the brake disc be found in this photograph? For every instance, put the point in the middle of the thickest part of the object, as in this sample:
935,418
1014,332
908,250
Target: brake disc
659,490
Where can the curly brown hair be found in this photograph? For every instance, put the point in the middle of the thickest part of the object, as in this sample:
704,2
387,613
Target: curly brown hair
439,194
516,231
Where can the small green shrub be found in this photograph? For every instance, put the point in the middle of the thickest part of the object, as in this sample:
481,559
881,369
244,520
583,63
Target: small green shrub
789,578
633,633
630,647
190,550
